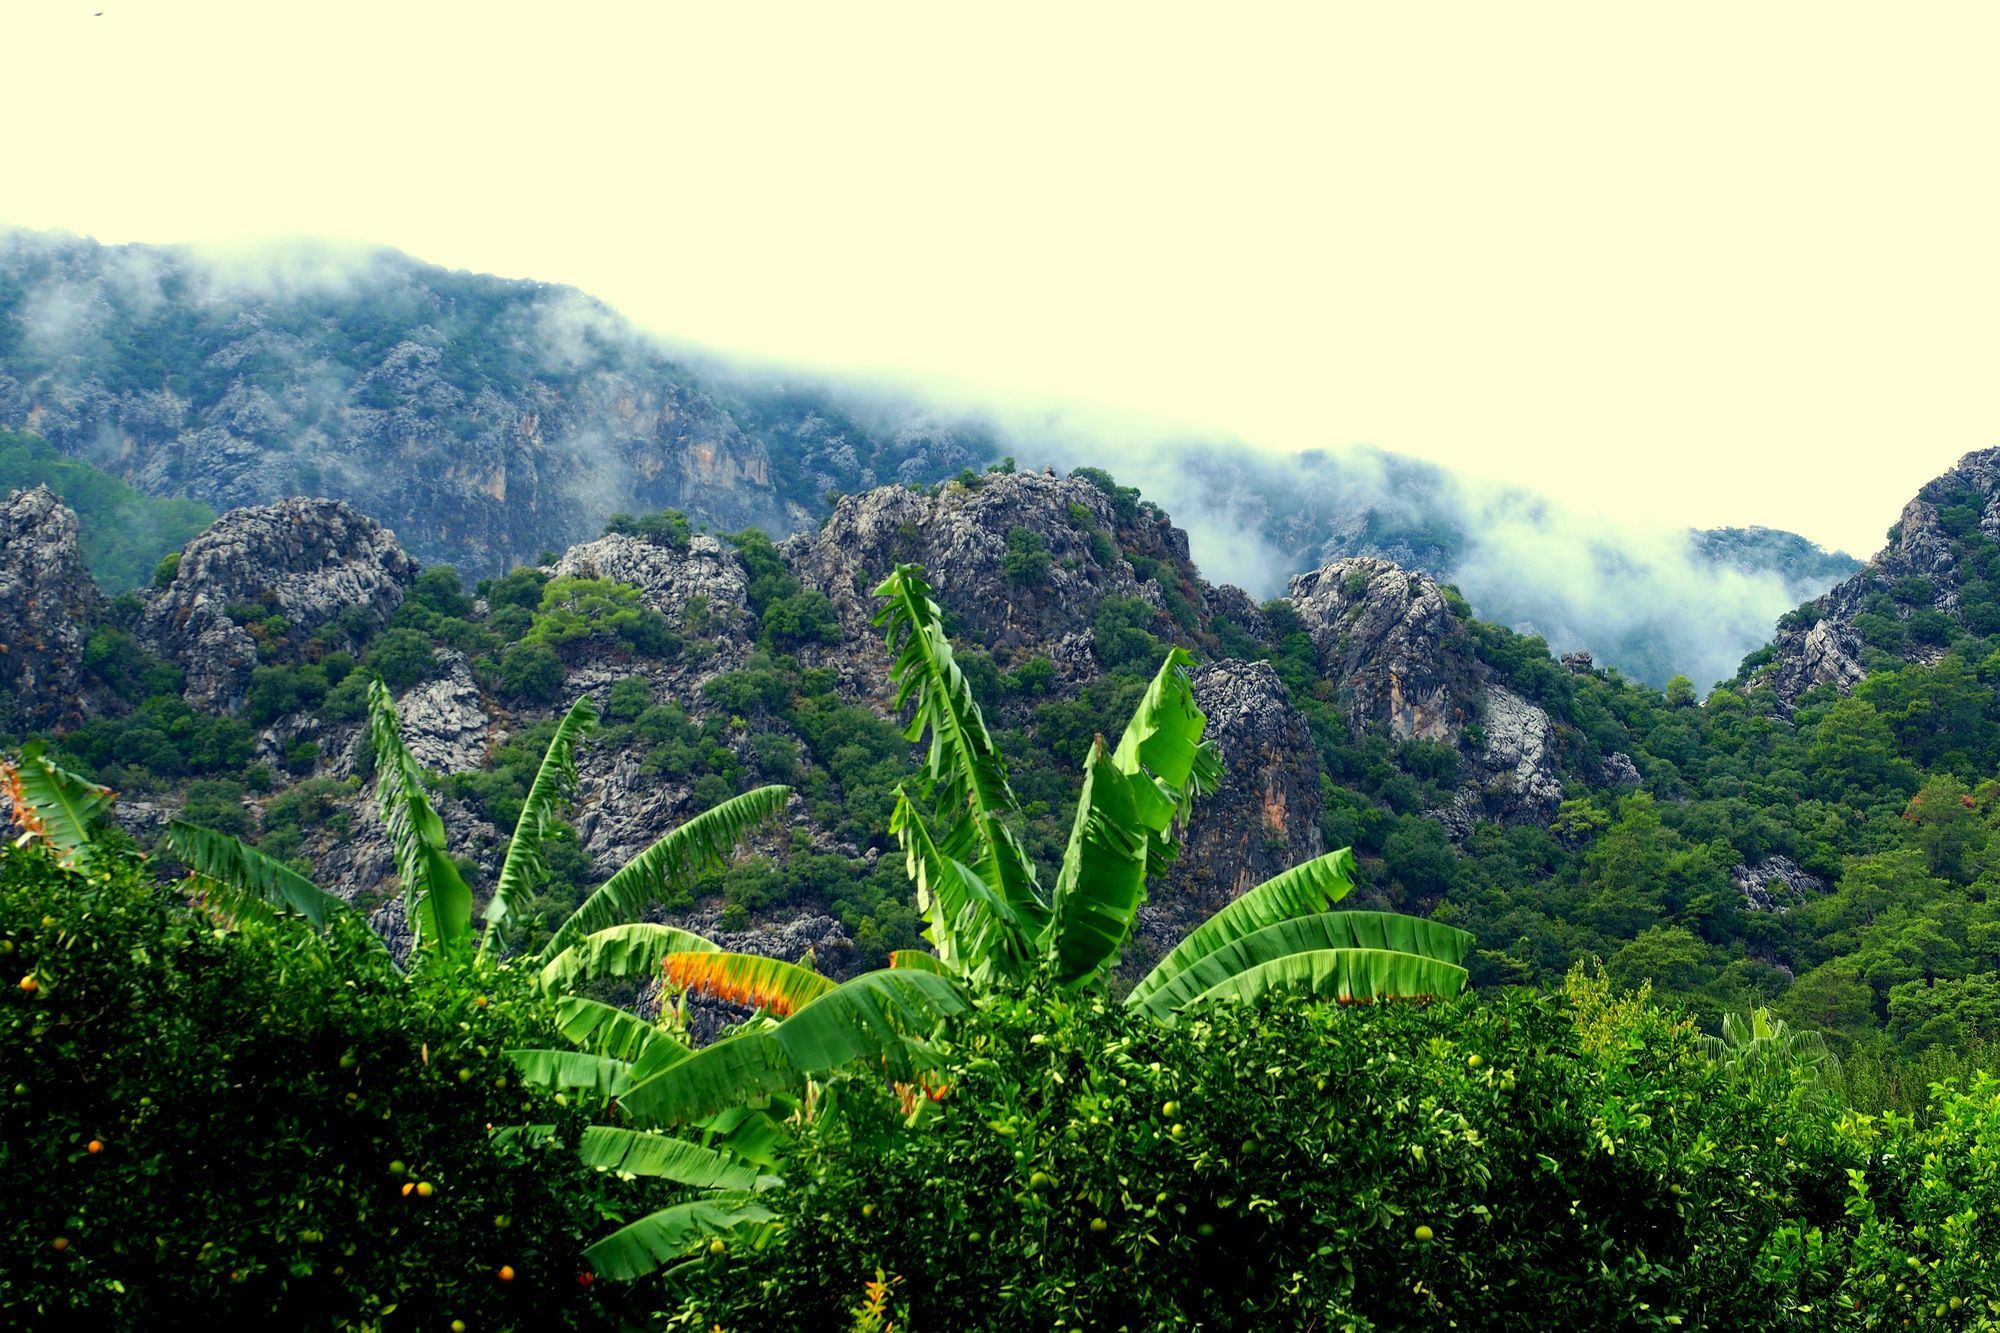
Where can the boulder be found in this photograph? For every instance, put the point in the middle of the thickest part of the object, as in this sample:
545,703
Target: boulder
48,604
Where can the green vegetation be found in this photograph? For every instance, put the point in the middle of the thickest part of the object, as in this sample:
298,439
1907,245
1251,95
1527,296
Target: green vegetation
124,534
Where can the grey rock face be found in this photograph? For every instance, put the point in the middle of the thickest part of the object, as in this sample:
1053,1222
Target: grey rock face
443,723
309,561
47,606
1383,634
1518,760
1618,770
668,580
1826,648
960,538
1775,884
1261,820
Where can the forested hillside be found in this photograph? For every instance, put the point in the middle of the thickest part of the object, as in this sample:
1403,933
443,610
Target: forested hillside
1825,850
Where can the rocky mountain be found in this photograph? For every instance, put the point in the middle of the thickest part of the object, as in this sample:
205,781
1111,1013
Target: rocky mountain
1928,587
1058,589
484,420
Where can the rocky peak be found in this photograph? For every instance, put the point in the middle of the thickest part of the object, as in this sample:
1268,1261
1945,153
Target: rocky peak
312,562
962,537
1387,637
667,577
1918,573
47,605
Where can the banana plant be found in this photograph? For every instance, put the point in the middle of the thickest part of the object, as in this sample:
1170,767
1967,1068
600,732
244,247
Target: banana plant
54,807
991,923
1759,1044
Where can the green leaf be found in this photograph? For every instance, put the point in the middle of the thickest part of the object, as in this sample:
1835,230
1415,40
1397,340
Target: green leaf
916,960
672,1233
872,1017
554,784
242,871
1380,931
974,930
1103,877
605,1029
747,979
637,1153
1312,886
638,949
965,778
702,842
572,1069
436,899
54,806
735,1071
1344,975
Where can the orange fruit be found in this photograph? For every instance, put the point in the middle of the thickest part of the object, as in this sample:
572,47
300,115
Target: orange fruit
408,1186
59,1244
425,1189
29,985
95,1146
506,1273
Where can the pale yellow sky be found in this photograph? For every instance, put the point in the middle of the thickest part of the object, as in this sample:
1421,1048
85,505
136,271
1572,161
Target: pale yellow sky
1703,263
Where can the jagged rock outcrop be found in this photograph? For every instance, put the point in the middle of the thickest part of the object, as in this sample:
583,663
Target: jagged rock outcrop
960,536
1261,820
1775,884
1515,765
312,562
1916,573
1387,638
48,604
1393,646
442,721
669,580
1618,770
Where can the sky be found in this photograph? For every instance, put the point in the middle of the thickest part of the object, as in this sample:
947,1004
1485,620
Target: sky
1701,263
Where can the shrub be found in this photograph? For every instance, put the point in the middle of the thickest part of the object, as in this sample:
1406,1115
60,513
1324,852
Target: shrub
249,1093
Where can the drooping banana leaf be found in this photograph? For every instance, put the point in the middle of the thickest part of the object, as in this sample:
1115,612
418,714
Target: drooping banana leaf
242,871
965,777
554,784
1163,739
1344,975
1387,932
702,842
52,805
637,949
673,1233
874,1016
572,1069
735,1071
605,1029
973,928
637,1153
1312,886
435,896
747,979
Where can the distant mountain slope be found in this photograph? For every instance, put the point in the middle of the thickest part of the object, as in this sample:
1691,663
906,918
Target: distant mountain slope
1654,603
483,419
123,532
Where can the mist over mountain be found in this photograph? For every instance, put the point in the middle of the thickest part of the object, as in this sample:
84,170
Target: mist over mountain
487,420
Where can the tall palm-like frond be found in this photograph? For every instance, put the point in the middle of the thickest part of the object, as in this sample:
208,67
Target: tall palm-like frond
965,778
435,896
635,949
750,979
554,785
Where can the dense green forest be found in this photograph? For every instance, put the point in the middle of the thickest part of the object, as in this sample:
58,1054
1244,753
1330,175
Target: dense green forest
124,532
